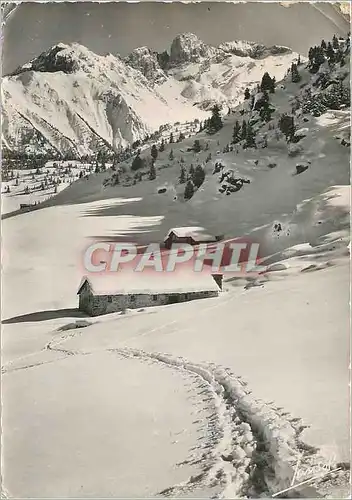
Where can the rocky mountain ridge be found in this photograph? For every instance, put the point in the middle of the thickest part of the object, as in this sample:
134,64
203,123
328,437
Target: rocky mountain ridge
77,101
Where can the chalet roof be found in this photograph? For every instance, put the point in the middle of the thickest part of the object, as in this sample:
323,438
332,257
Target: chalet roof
129,282
197,233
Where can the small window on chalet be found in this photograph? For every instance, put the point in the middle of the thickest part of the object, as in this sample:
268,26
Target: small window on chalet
109,298
132,298
155,298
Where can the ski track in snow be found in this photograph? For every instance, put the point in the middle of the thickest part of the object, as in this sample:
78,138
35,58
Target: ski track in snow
251,447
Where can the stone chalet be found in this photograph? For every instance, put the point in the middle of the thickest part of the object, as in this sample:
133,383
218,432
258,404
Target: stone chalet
113,292
190,235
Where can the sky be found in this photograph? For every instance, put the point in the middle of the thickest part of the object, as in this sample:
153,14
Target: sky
120,27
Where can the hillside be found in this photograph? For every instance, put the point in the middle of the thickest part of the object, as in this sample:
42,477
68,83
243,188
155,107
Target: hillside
72,101
320,145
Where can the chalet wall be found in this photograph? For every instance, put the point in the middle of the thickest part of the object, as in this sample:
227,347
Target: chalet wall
104,304
85,299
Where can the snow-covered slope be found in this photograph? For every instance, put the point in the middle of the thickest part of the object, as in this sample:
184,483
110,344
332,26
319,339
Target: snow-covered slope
270,167
77,100
285,332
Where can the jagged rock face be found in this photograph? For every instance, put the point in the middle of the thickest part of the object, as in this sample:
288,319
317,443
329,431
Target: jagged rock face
188,48
55,59
146,61
125,125
251,49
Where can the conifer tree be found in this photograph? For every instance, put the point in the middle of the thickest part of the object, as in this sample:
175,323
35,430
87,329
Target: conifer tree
171,140
215,121
316,58
116,179
236,133
137,163
199,176
335,42
250,137
330,53
171,155
181,137
323,44
266,83
162,146
295,76
272,85
154,152
191,172
152,172
287,126
265,112
247,93
182,178
196,146
189,191
244,130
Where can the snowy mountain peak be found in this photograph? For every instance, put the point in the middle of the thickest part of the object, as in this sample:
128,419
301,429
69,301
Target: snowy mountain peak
187,47
61,57
76,99
146,61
